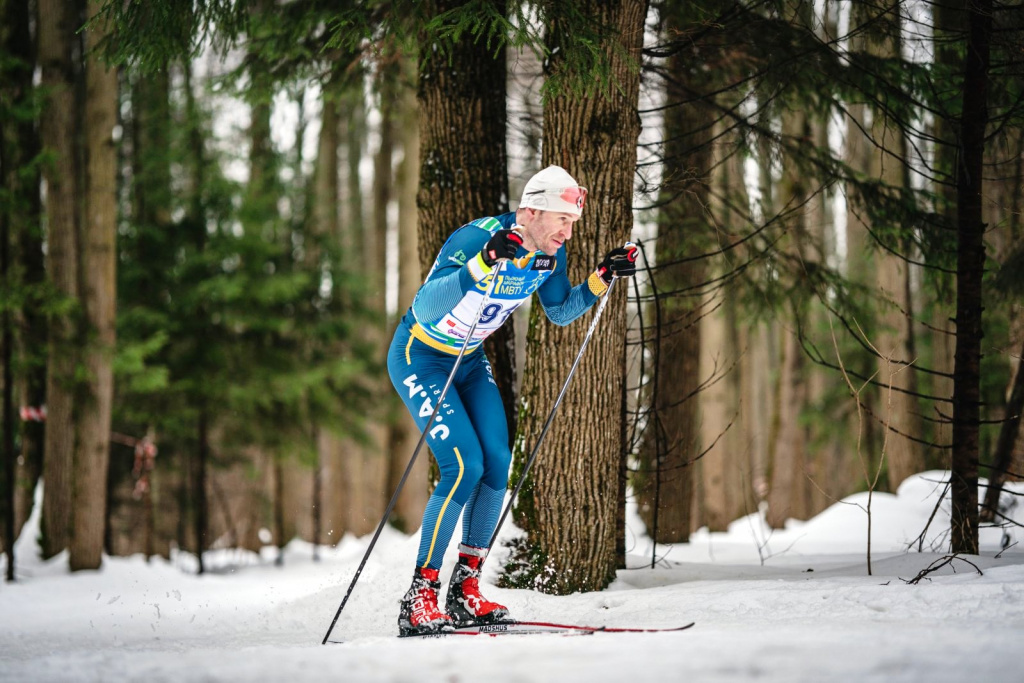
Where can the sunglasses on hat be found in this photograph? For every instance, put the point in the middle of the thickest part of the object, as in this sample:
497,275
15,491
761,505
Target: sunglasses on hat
573,195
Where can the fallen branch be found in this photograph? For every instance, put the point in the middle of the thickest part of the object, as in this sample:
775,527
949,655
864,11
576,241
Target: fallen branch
937,565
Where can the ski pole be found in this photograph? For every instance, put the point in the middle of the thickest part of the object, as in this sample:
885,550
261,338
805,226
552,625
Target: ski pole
416,451
551,415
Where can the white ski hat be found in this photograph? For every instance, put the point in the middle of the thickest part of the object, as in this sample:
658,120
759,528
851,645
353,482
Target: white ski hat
553,189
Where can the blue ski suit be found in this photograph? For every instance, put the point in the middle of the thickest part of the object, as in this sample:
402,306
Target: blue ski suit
469,436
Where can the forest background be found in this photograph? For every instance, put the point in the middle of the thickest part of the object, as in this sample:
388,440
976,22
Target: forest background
213,213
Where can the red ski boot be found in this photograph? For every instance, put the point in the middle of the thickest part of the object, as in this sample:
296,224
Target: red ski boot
420,614
464,602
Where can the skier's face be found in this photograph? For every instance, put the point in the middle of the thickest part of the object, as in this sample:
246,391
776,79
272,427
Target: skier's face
546,231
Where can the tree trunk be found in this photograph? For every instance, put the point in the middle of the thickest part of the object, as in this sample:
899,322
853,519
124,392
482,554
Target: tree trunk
147,130
278,501
570,511
672,439
463,163
894,340
788,486
859,154
57,22
970,269
99,298
368,494
19,145
343,466
725,469
199,498
404,433
950,34
324,211
7,476
1002,459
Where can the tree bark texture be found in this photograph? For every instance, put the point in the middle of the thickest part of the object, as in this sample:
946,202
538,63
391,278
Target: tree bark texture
99,299
58,125
462,123
970,269
463,162
570,510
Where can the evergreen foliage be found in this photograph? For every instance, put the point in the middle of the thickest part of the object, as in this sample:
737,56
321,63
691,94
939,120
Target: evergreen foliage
236,310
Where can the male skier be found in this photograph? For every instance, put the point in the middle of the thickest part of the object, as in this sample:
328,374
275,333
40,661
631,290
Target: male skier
469,436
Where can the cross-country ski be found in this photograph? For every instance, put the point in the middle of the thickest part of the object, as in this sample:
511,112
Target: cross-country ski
405,341
535,627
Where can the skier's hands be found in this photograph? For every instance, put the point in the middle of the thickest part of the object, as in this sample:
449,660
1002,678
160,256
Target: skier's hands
502,245
619,262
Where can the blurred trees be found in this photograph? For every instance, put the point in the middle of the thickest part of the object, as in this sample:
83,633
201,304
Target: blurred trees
817,183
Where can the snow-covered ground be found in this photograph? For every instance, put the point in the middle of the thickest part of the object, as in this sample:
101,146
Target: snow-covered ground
796,606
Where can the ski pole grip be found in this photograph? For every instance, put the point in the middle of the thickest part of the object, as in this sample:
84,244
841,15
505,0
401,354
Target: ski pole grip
631,251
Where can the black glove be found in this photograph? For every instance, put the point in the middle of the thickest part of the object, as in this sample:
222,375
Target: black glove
503,244
619,262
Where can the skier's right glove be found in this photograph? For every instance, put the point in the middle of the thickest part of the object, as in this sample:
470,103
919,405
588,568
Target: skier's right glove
503,245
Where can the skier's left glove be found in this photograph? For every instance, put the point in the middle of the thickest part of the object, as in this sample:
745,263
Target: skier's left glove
619,262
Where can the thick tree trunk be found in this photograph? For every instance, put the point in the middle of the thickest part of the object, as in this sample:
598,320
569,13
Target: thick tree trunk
56,26
462,139
571,509
969,272
463,163
99,298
